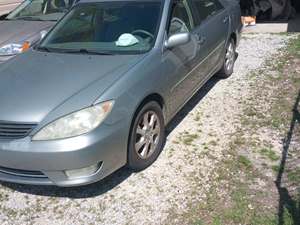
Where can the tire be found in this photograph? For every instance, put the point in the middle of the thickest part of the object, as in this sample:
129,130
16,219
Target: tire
146,139
229,60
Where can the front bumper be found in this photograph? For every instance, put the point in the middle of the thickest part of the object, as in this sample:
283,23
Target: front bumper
45,162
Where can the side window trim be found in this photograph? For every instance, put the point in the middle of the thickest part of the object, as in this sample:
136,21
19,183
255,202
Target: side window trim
190,14
171,7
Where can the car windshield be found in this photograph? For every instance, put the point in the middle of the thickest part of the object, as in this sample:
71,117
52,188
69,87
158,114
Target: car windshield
48,10
125,27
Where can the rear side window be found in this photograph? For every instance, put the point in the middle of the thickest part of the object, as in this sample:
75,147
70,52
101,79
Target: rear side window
206,8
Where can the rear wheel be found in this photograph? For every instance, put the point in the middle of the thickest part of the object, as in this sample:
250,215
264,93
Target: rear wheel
229,60
147,136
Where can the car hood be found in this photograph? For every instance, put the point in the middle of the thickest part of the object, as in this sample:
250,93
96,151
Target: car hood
18,31
33,84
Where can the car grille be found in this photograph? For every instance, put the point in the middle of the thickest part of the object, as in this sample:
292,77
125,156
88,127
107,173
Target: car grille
22,173
11,130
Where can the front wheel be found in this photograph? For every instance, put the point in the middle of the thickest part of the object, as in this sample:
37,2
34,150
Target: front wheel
229,60
147,137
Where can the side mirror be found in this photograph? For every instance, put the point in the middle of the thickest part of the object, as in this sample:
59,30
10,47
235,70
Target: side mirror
43,33
177,39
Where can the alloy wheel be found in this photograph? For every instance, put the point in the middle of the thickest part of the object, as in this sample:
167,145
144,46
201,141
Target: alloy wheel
147,134
229,57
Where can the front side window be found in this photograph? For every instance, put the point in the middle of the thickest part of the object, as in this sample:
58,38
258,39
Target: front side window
110,27
207,8
180,21
41,10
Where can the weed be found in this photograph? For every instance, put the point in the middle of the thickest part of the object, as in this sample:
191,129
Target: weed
294,176
188,139
276,168
269,153
244,162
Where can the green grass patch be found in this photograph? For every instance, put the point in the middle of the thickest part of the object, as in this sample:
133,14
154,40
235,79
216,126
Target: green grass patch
188,139
198,222
294,47
269,153
244,162
276,168
294,176
242,211
287,217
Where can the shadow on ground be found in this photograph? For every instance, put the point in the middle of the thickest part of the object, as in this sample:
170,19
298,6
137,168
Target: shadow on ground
286,200
117,177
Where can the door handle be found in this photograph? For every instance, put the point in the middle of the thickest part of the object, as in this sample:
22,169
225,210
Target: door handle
225,19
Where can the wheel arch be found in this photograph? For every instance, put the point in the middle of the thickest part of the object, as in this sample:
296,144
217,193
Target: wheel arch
150,97
153,97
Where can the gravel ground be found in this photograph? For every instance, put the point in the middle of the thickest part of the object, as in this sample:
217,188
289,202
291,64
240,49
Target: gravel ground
198,139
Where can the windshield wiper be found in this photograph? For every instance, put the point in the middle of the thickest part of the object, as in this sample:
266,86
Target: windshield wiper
31,18
81,51
86,51
42,48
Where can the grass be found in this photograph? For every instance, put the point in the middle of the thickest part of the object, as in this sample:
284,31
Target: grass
198,222
243,212
197,117
213,143
244,162
269,153
294,48
240,208
240,141
275,168
277,118
188,139
287,217
294,176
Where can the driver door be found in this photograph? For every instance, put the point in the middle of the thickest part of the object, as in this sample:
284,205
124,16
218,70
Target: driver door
179,61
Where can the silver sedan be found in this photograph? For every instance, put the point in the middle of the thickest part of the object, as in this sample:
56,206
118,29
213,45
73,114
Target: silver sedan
97,92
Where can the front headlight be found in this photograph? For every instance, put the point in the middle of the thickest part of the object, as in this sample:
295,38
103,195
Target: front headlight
14,49
76,123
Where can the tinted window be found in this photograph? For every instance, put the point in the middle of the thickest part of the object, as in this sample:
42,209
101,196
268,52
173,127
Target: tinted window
116,27
206,8
180,21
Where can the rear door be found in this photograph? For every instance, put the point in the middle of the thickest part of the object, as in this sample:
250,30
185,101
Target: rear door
212,27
